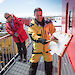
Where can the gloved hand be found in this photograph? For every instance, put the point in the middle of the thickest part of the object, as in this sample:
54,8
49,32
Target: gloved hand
43,41
54,39
16,34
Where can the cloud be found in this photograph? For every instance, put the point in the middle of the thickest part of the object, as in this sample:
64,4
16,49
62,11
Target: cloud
1,1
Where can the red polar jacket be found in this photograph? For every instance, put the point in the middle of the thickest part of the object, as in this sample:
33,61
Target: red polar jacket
18,25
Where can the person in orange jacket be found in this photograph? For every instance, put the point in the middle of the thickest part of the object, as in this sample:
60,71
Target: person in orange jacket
14,26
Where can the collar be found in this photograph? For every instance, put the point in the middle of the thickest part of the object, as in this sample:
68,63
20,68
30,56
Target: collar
40,23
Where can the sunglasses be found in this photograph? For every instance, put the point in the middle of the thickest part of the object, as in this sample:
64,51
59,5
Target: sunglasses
7,17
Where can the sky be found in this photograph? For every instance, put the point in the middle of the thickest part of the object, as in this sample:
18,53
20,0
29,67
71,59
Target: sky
25,8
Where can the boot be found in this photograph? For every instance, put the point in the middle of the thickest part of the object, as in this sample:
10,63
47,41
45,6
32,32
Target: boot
20,58
25,59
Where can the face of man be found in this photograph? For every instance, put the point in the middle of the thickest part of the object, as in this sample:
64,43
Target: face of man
38,16
8,17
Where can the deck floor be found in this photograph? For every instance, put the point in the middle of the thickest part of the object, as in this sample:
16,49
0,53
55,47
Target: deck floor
21,68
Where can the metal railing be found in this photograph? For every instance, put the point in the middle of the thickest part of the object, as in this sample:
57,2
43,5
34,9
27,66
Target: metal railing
58,28
8,51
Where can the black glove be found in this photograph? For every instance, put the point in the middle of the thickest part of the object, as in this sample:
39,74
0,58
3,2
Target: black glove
43,41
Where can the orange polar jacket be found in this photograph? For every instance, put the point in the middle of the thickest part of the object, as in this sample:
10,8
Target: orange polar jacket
37,32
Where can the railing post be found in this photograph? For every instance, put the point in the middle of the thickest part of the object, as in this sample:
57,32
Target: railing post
6,58
13,49
59,65
2,53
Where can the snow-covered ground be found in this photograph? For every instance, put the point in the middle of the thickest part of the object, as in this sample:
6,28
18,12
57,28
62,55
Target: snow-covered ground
57,24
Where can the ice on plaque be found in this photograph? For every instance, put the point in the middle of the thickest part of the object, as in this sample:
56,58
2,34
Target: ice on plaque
58,48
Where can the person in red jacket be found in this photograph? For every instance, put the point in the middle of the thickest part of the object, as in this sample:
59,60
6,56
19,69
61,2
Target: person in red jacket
14,26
